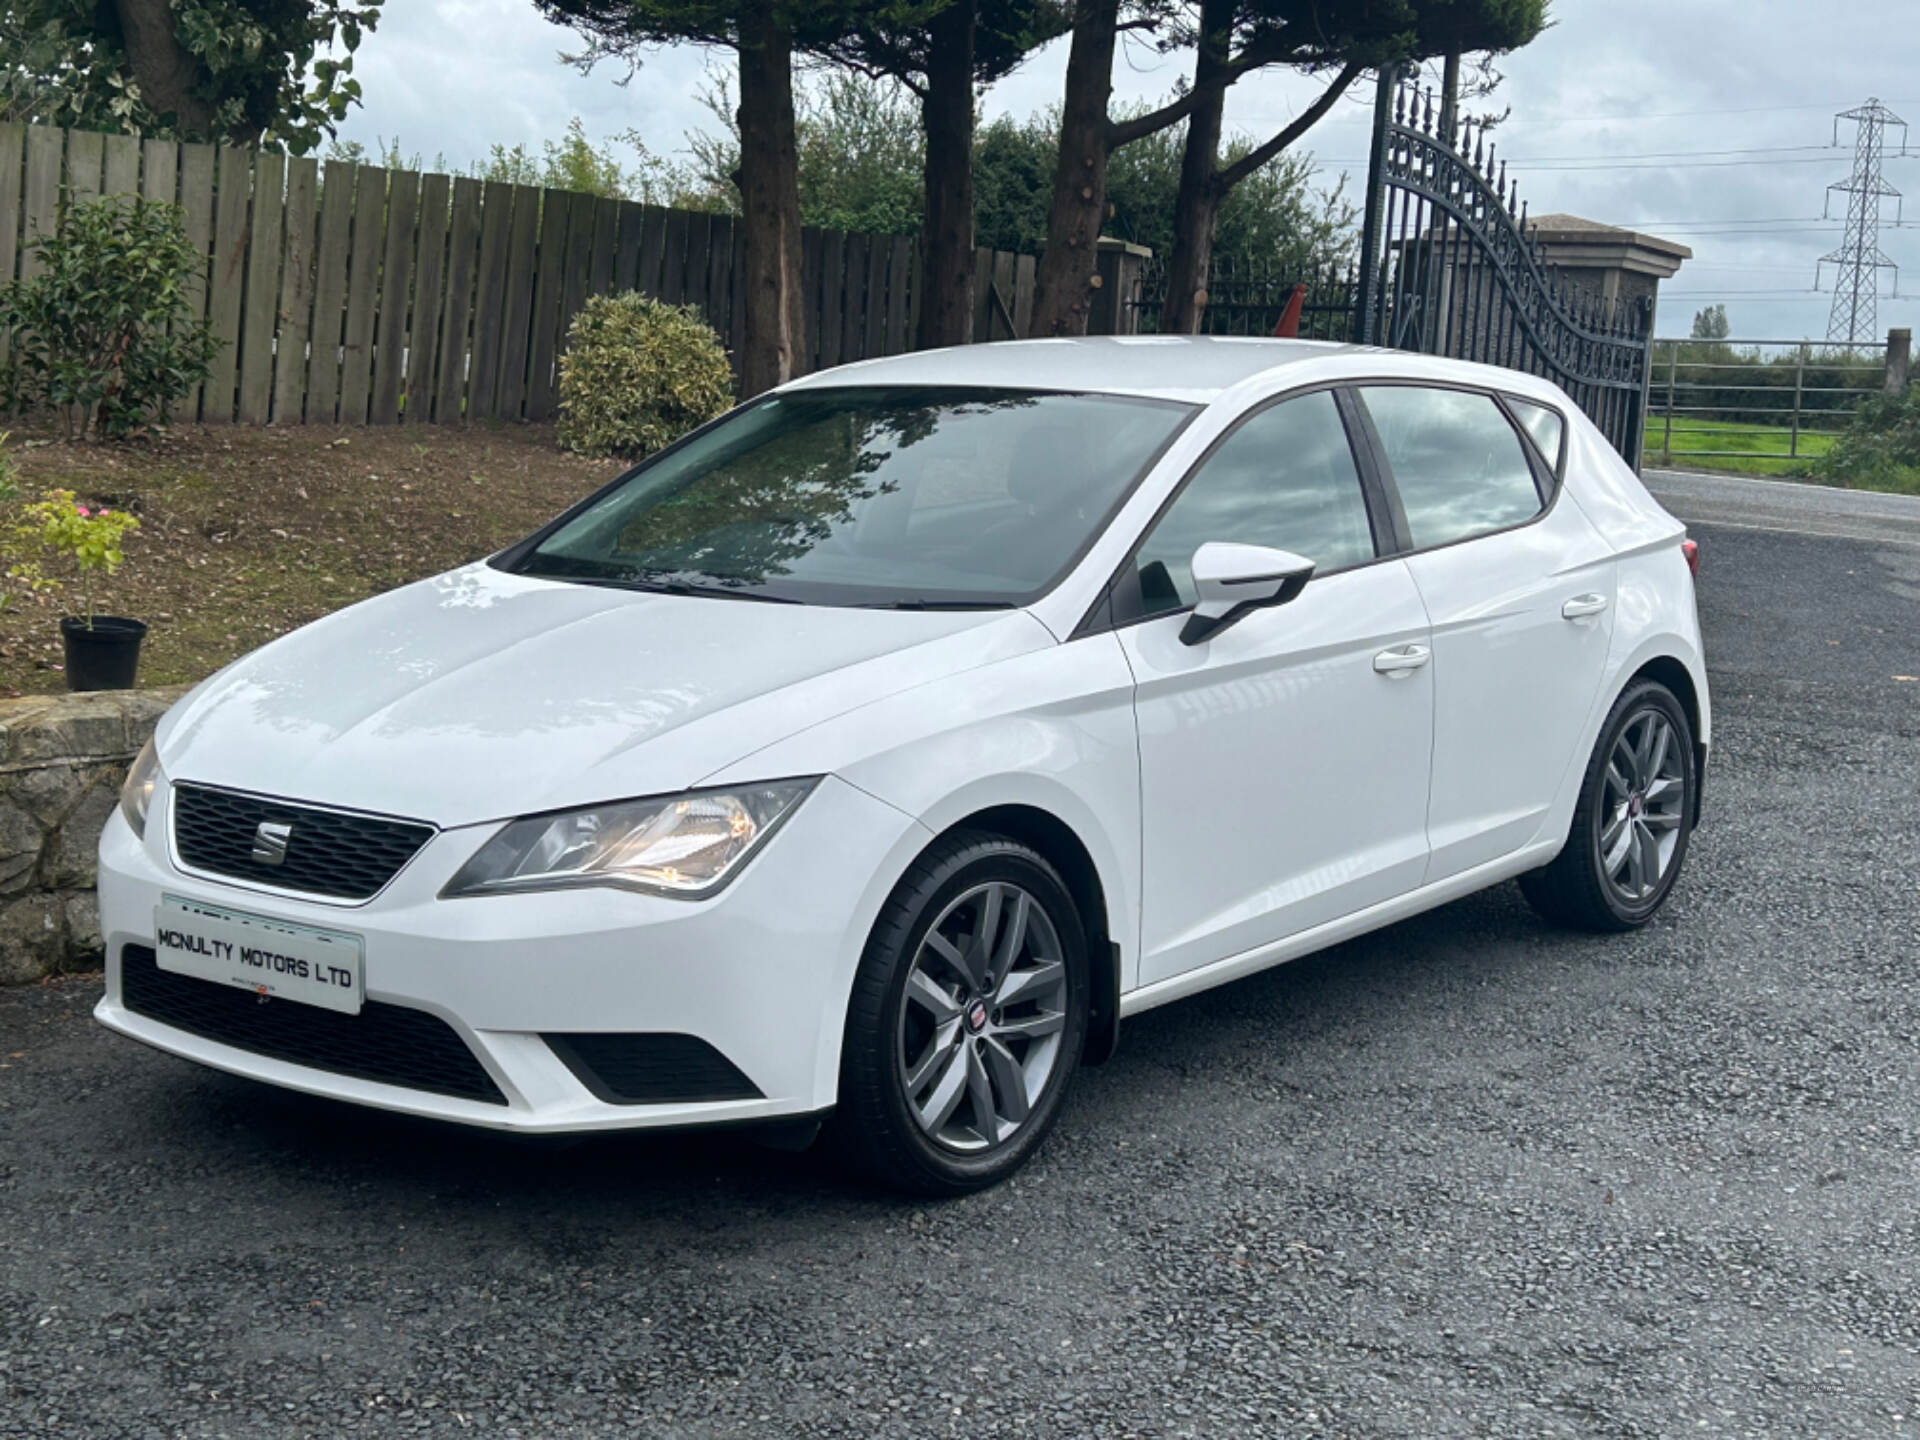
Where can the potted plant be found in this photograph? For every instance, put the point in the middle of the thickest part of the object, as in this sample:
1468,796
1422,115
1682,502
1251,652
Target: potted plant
103,651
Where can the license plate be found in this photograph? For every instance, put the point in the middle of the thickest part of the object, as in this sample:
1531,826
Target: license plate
272,958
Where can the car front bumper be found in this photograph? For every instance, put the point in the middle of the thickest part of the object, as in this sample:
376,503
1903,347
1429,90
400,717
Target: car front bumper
759,972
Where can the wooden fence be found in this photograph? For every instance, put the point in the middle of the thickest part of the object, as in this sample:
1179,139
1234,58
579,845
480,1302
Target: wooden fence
349,294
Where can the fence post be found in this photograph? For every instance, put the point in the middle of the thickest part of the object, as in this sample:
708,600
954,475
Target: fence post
1119,266
1376,199
1899,357
1648,307
1673,378
1799,389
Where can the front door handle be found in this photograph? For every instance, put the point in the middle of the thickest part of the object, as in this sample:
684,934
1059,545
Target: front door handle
1581,607
1401,660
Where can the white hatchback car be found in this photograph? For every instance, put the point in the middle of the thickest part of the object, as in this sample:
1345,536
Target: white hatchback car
878,747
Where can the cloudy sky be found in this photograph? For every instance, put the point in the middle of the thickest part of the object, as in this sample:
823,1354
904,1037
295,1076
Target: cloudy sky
1706,121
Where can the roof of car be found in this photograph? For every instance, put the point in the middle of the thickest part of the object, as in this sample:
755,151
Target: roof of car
1171,367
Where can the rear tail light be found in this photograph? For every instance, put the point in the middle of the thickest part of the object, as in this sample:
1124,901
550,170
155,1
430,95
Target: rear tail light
1691,549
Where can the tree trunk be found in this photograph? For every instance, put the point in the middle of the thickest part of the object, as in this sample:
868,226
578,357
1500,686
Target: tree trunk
946,112
773,348
163,70
1198,203
1062,285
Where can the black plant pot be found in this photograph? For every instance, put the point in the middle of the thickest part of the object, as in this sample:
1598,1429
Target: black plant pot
105,657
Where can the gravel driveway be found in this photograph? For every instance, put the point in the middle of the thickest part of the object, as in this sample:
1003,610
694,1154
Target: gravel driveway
1465,1177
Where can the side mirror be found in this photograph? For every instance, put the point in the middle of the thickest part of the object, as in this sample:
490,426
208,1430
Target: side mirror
1232,580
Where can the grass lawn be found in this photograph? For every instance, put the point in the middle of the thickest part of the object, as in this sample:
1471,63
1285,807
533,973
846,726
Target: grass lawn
1757,450
247,533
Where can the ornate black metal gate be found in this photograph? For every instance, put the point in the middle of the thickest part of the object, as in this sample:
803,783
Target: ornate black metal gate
1448,267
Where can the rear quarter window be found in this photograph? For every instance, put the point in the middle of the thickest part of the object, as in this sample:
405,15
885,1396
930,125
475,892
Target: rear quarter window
1546,426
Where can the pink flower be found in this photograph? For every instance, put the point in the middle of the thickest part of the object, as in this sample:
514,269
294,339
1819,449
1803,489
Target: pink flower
83,510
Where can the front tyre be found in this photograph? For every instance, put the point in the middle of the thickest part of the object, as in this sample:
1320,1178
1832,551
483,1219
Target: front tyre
1633,821
967,1018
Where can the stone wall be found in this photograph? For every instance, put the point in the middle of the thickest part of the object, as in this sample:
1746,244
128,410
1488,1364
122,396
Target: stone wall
62,758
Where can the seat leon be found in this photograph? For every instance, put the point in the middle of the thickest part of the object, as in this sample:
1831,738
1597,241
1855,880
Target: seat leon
867,755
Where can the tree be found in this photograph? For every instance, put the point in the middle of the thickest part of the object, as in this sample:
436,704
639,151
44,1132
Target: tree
1275,212
1088,139
860,150
243,71
941,53
1353,37
1232,38
764,35
1711,323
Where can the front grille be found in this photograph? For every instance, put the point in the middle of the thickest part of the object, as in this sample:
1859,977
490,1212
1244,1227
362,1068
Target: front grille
635,1069
392,1044
329,852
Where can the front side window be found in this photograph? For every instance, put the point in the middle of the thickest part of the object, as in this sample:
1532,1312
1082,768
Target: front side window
871,495
1459,466
1284,479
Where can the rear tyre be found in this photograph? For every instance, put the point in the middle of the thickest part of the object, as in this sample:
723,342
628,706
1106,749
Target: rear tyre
967,1019
1634,818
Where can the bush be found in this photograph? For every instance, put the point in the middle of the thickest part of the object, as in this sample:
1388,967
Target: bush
104,333
1880,450
88,536
637,375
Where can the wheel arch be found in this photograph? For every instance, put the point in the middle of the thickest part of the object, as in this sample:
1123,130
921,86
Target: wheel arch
1053,838
1668,656
1672,672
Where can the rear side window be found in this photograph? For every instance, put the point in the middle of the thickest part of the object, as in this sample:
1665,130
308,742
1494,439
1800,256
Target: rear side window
1459,466
1544,425
1285,479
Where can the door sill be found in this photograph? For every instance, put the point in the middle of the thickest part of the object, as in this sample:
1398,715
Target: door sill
1307,942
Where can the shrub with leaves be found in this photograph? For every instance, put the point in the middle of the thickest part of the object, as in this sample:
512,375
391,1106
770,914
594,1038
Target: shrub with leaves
242,71
1880,450
86,536
23,574
104,333
638,374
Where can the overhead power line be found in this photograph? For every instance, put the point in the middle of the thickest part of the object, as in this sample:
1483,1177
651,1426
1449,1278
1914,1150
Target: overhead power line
1685,164
1801,299
1740,294
1628,117
1549,167
1673,154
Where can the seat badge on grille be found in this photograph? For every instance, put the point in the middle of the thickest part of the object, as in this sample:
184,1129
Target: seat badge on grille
270,843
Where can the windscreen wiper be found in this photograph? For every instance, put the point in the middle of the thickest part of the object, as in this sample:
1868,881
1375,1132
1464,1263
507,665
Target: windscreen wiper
939,605
687,587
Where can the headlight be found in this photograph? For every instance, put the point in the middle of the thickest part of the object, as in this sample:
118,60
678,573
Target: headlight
136,793
682,845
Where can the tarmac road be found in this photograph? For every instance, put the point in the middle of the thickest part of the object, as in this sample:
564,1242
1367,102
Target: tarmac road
1469,1176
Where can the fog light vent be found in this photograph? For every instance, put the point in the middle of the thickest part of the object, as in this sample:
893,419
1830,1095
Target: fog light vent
651,1069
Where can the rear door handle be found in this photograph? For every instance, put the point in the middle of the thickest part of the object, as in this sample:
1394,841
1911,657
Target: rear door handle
1401,659
1581,607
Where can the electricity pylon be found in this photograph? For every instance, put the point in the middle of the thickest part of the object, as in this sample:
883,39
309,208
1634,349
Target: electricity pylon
1859,260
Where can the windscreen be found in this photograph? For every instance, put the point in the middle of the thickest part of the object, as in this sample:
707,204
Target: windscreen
885,496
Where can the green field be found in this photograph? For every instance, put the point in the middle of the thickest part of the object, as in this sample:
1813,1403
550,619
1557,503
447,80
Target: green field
1744,448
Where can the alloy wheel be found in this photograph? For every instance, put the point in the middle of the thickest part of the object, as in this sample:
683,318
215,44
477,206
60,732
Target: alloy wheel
982,1017
1643,806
